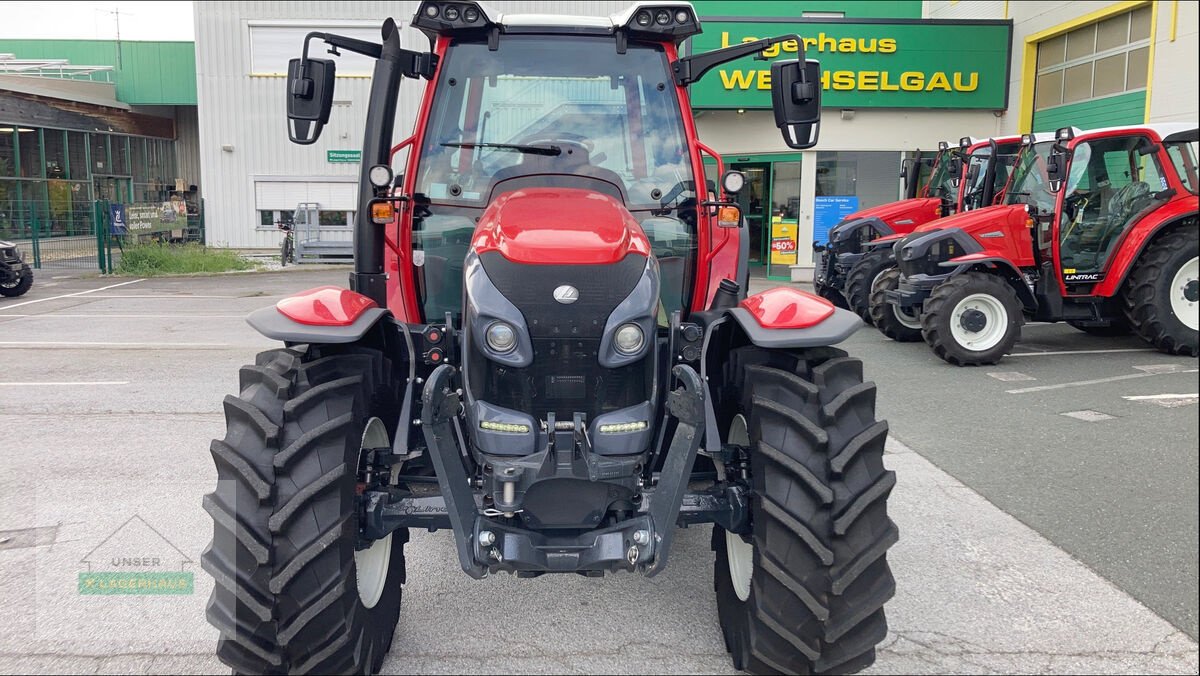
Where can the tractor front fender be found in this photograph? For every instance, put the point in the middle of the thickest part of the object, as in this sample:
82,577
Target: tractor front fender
997,264
784,317
326,314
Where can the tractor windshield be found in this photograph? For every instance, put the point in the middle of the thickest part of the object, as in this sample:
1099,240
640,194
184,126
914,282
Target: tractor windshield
977,167
941,183
1029,183
553,111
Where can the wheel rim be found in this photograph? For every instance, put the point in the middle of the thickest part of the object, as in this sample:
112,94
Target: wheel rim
966,326
909,320
371,564
1184,289
740,554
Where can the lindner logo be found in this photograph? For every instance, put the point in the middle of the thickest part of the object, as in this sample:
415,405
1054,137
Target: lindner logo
566,294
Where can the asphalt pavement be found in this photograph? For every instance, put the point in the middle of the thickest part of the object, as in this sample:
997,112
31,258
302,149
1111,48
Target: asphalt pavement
1047,506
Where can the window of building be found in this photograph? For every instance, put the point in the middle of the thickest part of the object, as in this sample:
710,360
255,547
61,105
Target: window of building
99,147
273,44
8,149
849,181
77,155
55,142
31,152
1094,61
119,151
332,218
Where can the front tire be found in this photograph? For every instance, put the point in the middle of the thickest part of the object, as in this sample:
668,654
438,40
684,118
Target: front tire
863,276
804,591
20,285
1161,297
972,319
291,594
888,317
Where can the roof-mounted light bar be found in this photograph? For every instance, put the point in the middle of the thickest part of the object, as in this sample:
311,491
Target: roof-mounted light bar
435,18
658,20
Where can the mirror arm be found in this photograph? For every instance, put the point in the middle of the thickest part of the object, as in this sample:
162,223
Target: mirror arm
691,68
414,64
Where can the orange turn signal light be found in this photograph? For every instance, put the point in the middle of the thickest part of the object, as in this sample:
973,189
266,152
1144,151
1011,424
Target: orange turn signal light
382,213
728,217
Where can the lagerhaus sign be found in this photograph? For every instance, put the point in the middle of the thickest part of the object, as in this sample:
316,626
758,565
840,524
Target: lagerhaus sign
884,63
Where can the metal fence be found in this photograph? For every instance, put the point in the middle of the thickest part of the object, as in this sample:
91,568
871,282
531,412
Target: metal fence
91,238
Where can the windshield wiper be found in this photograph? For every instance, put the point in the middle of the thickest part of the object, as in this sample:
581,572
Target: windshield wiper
549,151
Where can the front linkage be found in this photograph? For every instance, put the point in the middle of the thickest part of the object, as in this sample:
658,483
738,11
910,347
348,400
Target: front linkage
485,539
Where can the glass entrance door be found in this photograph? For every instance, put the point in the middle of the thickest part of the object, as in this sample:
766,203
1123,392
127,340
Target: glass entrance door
755,202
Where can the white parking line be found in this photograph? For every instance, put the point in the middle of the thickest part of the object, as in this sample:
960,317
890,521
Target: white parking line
1003,376
1084,383
1050,354
167,295
72,384
72,295
1167,400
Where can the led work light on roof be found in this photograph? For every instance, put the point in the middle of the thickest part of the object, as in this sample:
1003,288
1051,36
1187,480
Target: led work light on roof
658,20
1026,139
446,17
643,19
943,145
964,142
1064,134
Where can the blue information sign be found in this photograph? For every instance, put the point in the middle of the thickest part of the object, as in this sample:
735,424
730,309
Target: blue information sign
828,210
117,223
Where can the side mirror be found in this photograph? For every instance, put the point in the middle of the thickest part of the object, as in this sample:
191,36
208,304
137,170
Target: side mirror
956,168
972,174
309,98
796,99
1056,166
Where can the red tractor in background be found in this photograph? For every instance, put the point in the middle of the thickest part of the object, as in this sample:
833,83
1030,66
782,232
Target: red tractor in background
546,349
928,182
858,253
1098,229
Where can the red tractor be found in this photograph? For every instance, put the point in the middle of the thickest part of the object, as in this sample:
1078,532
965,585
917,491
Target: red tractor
1098,229
545,349
860,251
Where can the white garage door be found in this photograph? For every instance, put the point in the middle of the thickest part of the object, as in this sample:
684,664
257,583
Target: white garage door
285,195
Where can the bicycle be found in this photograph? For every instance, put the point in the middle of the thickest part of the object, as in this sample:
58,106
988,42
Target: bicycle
287,248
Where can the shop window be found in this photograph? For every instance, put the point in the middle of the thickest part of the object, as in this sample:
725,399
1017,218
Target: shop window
849,181
77,155
1098,60
31,152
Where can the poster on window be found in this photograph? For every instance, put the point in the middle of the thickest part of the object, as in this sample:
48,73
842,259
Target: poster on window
828,210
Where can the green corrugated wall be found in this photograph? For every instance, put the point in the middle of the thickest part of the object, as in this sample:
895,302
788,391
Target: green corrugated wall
150,73
1113,111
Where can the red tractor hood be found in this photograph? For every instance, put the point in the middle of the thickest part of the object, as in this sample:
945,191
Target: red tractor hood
979,220
916,211
559,226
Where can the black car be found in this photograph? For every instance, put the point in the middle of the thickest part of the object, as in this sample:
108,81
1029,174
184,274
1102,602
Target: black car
15,275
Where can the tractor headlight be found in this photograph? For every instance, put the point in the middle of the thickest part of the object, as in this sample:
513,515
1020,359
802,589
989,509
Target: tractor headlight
629,339
501,337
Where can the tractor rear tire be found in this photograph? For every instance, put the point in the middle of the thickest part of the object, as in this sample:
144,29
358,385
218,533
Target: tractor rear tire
804,591
291,593
886,316
972,319
1160,295
22,284
862,277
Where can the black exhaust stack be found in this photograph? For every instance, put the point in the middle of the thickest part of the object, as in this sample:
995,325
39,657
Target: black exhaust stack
368,277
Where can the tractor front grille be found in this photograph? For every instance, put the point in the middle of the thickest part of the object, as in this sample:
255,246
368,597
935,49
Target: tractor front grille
564,378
